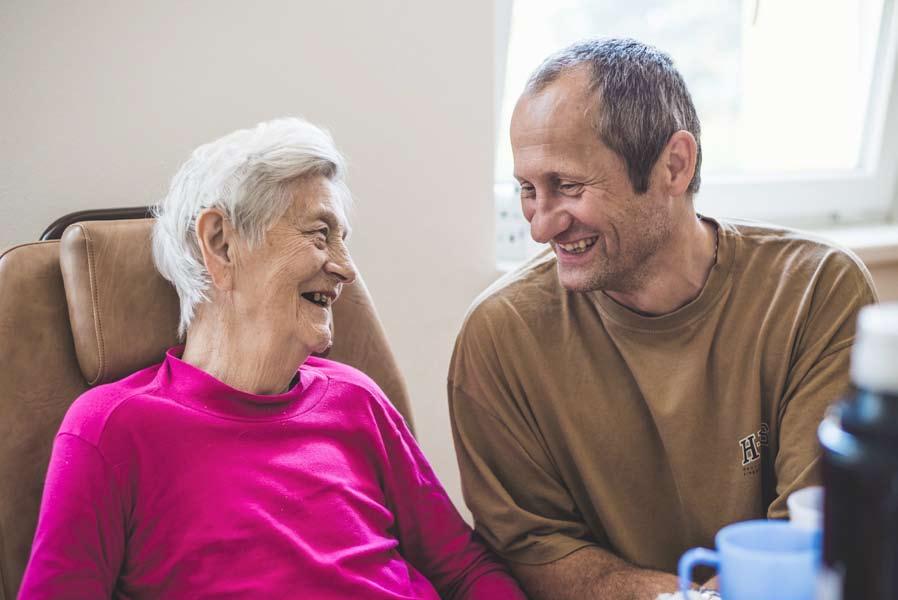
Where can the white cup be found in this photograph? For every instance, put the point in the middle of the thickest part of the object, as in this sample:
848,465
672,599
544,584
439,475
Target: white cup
806,507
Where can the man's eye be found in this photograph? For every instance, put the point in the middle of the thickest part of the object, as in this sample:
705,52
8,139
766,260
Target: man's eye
527,191
570,188
325,231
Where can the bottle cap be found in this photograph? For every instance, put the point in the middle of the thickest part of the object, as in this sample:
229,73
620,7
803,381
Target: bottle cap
874,358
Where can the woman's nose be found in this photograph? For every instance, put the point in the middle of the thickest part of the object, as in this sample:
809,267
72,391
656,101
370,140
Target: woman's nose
342,267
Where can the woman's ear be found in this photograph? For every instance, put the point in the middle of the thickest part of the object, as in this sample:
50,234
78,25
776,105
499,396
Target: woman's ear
216,240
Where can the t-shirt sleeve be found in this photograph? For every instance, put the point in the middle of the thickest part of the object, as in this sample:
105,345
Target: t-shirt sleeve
432,534
819,374
79,543
520,504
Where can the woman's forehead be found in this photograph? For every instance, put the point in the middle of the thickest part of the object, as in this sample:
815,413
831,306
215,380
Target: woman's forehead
318,199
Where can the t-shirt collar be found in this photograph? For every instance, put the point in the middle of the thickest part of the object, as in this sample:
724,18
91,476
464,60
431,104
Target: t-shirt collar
717,282
194,387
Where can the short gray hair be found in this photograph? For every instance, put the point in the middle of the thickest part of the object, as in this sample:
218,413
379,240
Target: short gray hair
643,100
248,174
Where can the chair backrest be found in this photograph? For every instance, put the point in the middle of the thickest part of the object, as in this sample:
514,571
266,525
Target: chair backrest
91,308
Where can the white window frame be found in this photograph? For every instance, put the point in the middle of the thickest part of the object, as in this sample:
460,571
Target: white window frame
865,195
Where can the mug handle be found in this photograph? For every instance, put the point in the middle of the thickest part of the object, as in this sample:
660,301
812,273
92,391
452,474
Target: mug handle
691,558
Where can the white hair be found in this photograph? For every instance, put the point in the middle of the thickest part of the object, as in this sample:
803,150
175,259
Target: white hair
248,174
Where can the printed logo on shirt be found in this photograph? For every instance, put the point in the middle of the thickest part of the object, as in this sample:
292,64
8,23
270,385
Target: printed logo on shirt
750,448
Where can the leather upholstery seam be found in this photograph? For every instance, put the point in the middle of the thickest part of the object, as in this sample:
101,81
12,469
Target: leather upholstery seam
95,301
4,591
11,249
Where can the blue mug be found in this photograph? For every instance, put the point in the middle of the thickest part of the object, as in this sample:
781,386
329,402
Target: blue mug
769,560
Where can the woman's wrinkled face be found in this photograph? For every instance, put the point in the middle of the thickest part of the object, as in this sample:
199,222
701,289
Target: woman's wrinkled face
286,286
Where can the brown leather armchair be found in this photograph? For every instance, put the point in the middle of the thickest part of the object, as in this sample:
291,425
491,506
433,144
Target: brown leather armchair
91,308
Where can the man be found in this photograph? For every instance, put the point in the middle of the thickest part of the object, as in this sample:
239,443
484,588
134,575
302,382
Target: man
656,374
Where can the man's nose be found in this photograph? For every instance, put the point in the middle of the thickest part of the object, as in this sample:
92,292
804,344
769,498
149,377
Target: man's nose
547,221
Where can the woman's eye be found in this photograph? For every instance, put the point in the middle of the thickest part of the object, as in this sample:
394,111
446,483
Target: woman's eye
526,191
570,188
319,236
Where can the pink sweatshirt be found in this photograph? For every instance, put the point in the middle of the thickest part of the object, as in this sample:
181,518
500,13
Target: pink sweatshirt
171,484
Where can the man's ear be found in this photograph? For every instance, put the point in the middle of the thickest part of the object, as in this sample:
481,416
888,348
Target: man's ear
216,239
678,162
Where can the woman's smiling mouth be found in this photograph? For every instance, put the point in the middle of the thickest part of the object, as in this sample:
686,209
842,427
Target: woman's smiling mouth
322,299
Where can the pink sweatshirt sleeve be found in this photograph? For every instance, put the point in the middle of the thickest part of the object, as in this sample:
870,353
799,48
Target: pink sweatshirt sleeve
80,538
432,535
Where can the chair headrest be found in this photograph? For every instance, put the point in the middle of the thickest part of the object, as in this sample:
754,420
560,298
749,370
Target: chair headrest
124,315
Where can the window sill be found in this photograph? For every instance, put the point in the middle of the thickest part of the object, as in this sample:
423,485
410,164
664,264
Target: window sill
875,244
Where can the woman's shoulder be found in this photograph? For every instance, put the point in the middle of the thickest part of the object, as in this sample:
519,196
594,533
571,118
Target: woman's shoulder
90,413
343,375
350,387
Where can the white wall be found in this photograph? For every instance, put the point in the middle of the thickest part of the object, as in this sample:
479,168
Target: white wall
103,100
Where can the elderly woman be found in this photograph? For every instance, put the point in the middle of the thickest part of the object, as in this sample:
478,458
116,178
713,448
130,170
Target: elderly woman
241,466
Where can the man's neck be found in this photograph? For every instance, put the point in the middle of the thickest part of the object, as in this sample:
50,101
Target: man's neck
239,357
676,274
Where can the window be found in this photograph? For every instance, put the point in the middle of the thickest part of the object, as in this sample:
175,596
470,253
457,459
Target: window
793,95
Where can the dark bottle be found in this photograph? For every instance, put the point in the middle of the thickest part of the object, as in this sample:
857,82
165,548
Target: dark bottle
859,437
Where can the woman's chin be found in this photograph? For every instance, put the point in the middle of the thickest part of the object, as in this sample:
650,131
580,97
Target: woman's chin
323,345
316,338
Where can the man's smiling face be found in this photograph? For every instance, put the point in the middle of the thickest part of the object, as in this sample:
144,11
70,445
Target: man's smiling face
576,193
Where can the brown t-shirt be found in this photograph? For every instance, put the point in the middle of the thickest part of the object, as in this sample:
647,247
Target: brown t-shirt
580,422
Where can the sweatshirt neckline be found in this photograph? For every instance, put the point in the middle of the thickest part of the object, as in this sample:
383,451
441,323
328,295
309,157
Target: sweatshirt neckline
195,388
707,298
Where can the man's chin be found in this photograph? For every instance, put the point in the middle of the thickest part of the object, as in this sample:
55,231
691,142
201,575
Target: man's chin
579,280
